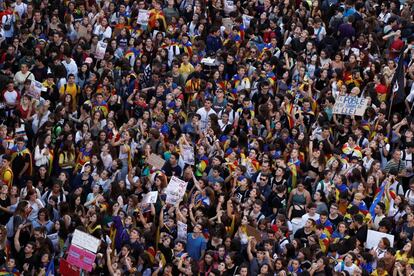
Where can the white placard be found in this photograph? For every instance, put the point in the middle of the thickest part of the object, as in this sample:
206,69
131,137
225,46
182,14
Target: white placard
246,20
209,61
188,154
100,50
85,241
156,161
175,190
150,198
374,237
181,231
143,17
36,89
228,24
350,105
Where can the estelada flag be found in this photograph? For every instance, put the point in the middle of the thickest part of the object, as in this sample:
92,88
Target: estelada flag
397,83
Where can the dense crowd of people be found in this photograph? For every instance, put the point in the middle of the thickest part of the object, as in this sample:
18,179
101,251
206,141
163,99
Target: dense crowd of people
103,103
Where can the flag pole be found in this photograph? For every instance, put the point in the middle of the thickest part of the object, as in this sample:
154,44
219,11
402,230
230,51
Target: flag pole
392,100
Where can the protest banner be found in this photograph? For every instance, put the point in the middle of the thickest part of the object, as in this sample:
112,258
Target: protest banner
156,161
374,237
188,154
100,50
150,198
350,105
181,231
81,258
175,190
143,17
85,241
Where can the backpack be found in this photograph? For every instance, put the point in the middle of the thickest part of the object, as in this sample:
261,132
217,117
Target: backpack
7,25
60,196
65,86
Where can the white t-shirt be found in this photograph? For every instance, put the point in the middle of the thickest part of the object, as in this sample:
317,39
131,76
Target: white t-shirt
11,96
106,160
71,67
306,216
320,33
9,20
20,9
409,195
410,96
367,163
204,117
342,267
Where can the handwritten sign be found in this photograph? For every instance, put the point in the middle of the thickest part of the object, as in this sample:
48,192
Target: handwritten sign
181,231
374,237
100,50
156,161
175,190
188,154
36,89
81,258
349,105
150,198
143,17
253,232
85,241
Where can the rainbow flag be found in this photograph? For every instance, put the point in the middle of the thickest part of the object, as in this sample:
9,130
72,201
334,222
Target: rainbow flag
356,151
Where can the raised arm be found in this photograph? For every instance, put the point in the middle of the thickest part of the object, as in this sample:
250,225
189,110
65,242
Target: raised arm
17,245
108,261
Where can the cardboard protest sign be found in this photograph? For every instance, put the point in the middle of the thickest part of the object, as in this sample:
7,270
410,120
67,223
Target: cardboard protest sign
188,154
100,50
150,198
350,105
374,237
253,232
181,231
175,190
143,17
81,258
156,161
85,241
